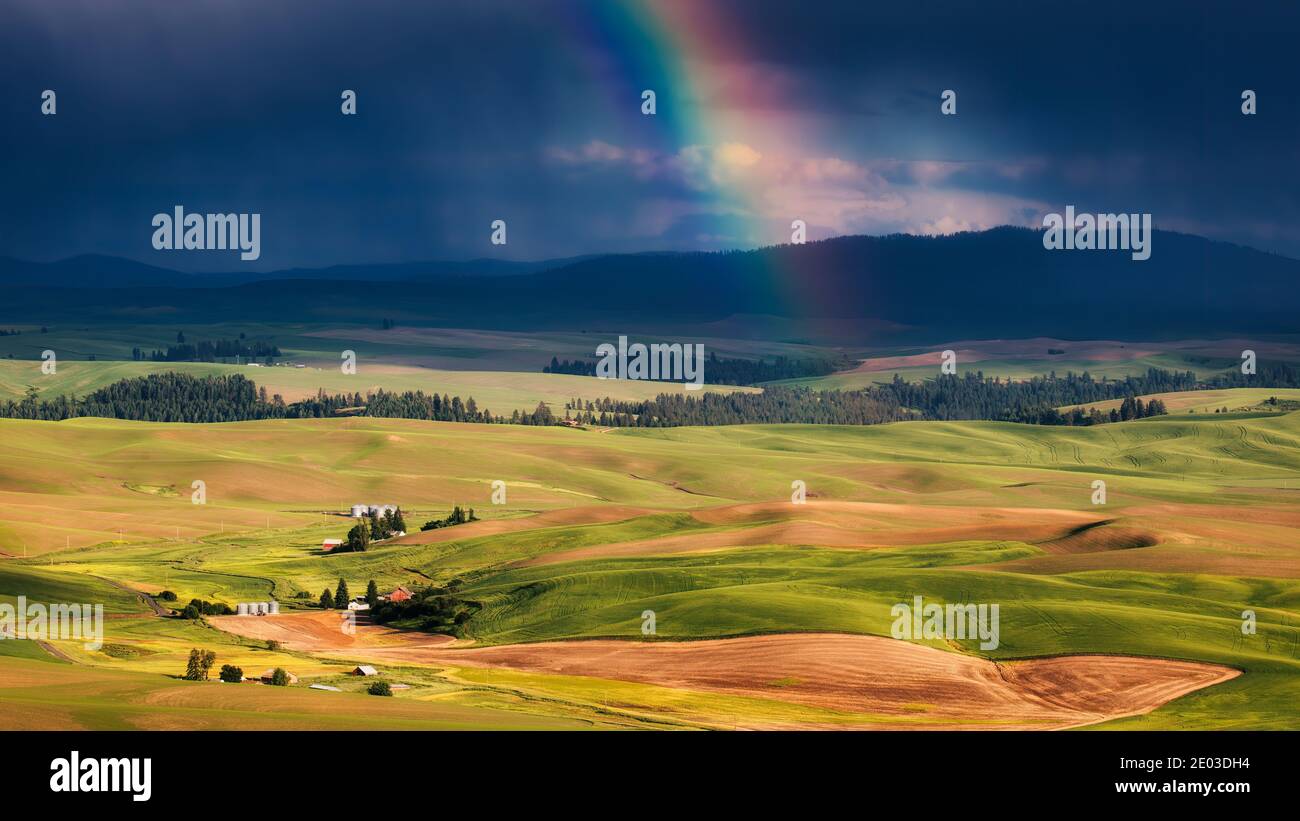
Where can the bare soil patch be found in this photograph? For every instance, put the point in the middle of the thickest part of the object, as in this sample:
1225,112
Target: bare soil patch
323,631
899,684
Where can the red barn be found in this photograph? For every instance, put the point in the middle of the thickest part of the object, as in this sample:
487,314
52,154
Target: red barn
400,594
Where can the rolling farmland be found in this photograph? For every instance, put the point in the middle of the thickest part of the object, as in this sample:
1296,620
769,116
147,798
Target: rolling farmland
695,525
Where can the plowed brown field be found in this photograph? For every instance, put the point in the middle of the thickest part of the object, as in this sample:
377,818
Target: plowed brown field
894,684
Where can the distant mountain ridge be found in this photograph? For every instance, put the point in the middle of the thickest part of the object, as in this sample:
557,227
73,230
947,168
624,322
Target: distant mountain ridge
100,271
995,283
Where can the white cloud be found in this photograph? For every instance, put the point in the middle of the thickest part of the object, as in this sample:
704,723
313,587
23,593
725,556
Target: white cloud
945,225
831,194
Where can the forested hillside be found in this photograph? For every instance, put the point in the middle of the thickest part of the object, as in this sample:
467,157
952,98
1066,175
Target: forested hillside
174,397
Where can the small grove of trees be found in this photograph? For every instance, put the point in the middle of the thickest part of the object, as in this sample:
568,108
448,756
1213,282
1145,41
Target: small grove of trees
231,673
433,608
206,351
166,595
337,600
199,665
380,688
372,529
358,538
459,516
383,527
199,607
1131,408
1274,403
279,677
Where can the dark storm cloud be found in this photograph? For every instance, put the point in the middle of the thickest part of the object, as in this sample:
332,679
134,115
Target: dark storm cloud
1119,106
473,111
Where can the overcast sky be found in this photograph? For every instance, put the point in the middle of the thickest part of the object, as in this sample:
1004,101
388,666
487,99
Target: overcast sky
530,111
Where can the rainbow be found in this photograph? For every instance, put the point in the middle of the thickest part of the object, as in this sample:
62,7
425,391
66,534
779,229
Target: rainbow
662,45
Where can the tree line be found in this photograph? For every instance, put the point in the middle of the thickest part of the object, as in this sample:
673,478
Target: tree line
179,397
209,351
174,397
774,405
973,396
458,516
718,371
160,397
946,397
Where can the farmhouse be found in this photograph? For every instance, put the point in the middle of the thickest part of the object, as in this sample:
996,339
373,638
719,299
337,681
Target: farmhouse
269,674
364,670
359,603
330,544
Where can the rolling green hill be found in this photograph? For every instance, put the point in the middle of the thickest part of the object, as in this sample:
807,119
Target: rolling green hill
695,524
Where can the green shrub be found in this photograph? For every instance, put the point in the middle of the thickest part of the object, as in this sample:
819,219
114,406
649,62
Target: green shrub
208,608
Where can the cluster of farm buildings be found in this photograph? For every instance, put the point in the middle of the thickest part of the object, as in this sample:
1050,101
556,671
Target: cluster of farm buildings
400,593
272,608
361,511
